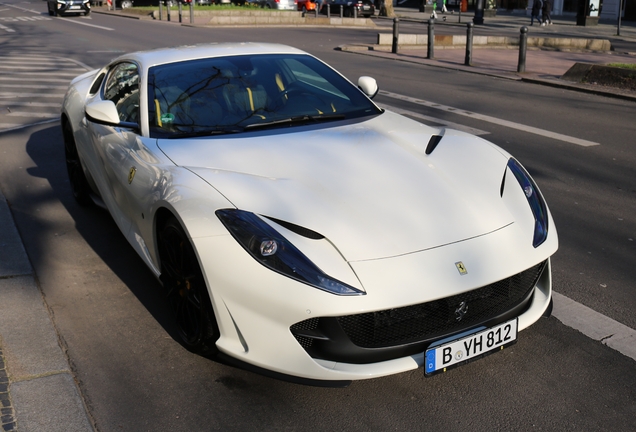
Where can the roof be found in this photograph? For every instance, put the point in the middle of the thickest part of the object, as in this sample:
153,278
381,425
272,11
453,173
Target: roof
190,52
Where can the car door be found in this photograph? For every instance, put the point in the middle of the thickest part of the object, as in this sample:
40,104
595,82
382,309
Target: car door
112,144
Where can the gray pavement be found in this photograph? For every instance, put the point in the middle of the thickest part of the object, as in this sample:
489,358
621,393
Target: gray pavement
37,387
38,391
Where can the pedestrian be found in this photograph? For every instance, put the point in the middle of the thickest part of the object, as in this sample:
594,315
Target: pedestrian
547,8
434,14
536,10
444,10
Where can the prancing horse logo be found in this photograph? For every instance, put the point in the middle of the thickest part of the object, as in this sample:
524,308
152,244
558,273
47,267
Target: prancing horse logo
461,310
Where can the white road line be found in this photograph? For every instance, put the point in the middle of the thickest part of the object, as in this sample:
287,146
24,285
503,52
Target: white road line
13,86
7,126
35,104
595,325
489,119
57,80
89,25
7,29
6,95
435,120
31,114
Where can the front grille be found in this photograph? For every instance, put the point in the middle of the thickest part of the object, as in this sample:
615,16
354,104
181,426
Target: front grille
426,321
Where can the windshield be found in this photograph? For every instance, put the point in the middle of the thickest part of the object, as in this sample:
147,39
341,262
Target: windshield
234,94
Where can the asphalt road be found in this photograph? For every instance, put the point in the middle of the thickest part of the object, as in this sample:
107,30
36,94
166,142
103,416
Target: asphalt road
117,331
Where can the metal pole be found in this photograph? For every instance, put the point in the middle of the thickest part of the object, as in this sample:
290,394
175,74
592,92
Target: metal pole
355,12
168,8
341,12
523,44
431,39
329,11
180,11
160,10
468,60
620,11
396,35
192,12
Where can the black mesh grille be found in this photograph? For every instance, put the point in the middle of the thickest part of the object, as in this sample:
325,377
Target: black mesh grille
421,322
427,320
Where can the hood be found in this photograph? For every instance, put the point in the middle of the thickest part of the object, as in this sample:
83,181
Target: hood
368,187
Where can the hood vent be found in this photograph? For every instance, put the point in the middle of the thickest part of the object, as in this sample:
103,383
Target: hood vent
432,143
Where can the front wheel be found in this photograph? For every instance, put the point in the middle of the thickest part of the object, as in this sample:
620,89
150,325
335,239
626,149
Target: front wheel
79,184
187,291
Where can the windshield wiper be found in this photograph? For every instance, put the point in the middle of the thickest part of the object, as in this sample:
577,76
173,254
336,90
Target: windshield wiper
206,132
304,119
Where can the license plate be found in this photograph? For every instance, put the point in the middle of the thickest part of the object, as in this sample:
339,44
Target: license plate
366,7
75,7
464,349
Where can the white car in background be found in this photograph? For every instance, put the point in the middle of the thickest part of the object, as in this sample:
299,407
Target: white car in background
299,230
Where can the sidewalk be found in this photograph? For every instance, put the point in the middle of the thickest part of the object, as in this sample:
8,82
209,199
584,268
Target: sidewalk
37,388
542,66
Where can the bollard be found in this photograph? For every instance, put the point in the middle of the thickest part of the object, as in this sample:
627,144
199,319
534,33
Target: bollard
192,12
460,13
316,11
160,10
355,12
168,9
431,39
329,12
523,44
468,60
180,12
396,35
341,12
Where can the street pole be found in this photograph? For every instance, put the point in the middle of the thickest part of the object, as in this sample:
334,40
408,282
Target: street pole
620,12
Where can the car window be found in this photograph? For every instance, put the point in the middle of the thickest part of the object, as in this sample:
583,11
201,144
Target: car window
122,87
238,93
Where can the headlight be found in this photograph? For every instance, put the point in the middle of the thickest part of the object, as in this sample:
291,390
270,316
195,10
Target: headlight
535,200
271,249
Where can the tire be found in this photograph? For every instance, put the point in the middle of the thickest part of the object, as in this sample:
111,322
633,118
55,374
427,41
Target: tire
186,291
79,184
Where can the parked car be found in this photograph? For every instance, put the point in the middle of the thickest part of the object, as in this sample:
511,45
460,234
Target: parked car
277,4
298,229
63,7
306,5
360,8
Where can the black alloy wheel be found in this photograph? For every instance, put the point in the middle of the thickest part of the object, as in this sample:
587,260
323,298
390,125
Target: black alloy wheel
186,290
79,184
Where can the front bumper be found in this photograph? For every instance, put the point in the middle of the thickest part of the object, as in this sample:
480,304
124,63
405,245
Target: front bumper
72,6
257,309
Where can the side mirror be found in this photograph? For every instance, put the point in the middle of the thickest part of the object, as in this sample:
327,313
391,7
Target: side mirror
104,112
368,86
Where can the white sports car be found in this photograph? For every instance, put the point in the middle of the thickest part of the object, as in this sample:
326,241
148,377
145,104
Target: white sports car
299,230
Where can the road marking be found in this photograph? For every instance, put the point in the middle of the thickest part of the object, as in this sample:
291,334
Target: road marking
595,325
8,95
48,87
435,120
489,119
89,25
56,80
7,29
30,114
35,104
